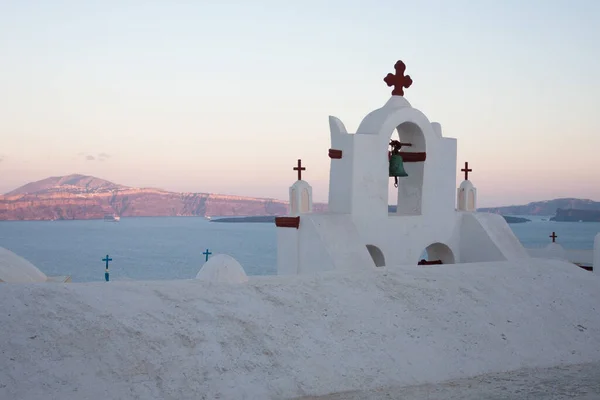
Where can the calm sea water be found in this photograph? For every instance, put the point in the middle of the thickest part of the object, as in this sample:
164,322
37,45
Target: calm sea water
171,248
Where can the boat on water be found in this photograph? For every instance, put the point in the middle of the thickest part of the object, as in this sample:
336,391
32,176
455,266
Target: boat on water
111,218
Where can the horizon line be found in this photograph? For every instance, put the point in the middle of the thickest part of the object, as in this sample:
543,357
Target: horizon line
262,198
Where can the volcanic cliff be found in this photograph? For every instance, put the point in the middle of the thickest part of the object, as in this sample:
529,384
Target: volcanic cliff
86,197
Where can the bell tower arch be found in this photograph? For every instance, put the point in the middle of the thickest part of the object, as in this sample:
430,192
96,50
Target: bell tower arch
371,160
410,188
360,162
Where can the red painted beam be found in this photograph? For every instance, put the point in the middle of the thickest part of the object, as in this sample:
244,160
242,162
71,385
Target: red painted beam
336,154
287,222
413,157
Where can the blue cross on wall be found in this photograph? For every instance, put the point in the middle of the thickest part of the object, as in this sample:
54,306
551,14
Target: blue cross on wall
107,260
207,253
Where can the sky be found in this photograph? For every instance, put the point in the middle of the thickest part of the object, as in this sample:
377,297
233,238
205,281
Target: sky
224,96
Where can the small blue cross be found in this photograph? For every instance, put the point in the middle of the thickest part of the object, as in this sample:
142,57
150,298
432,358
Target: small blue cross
107,260
207,253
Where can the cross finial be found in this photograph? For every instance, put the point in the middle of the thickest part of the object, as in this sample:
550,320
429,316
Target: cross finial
466,170
106,260
553,236
399,80
207,253
299,168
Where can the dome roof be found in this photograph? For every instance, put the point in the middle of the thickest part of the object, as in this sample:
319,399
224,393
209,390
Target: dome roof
466,184
16,269
300,183
555,250
223,269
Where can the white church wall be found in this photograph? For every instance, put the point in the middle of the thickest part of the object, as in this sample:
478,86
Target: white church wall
312,251
287,251
303,250
403,239
340,174
331,241
370,177
477,243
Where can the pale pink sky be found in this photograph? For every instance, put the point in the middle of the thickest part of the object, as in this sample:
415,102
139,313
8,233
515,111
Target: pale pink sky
225,97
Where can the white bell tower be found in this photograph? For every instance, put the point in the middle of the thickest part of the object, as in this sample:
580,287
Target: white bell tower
300,194
466,194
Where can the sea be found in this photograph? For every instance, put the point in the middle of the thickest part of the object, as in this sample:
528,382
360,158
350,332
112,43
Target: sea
164,248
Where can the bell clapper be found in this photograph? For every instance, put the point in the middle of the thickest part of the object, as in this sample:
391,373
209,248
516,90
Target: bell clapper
396,167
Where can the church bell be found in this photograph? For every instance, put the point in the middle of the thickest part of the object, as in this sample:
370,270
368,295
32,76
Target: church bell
397,166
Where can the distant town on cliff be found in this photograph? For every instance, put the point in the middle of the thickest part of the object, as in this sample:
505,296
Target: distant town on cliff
86,197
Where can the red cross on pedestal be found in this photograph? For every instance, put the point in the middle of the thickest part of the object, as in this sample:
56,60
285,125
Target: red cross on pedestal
399,80
299,168
553,236
466,170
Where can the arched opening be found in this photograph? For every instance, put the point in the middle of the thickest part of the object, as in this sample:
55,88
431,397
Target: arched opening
305,201
376,255
437,253
406,199
466,197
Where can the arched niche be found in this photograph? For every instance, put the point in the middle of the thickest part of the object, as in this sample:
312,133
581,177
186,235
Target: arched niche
305,201
471,200
438,252
409,197
377,255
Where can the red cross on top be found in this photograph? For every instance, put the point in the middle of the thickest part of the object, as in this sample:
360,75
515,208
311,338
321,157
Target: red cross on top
466,170
299,168
553,236
399,80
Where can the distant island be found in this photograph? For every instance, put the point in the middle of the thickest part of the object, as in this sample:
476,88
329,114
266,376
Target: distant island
574,215
545,208
564,210
515,220
75,197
